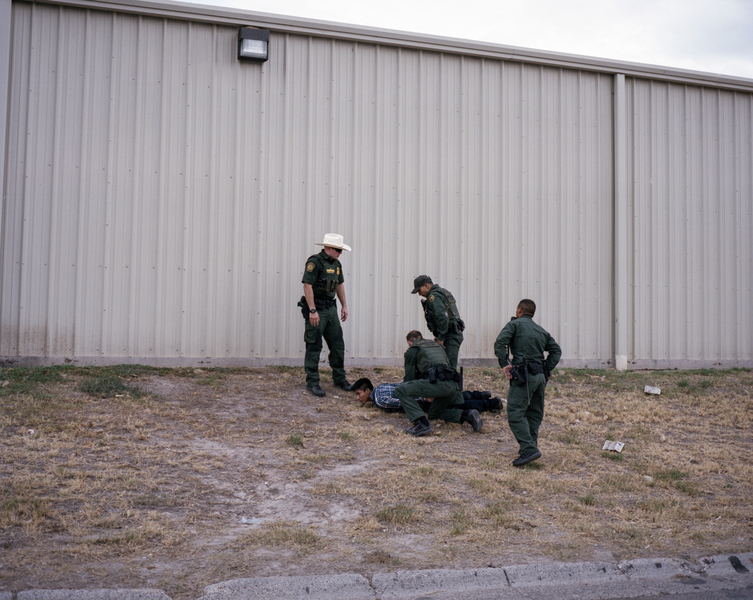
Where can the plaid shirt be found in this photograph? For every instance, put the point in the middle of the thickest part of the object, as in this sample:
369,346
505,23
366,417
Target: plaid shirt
383,396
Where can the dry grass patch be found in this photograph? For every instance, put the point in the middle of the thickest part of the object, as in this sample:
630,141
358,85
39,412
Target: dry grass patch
130,476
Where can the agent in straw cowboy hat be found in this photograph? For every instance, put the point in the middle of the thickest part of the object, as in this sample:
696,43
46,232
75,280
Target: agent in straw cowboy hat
322,281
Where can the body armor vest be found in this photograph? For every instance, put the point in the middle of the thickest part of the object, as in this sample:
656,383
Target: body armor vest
329,277
430,354
452,307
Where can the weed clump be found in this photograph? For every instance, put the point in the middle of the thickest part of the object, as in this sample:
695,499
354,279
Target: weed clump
399,514
109,387
295,440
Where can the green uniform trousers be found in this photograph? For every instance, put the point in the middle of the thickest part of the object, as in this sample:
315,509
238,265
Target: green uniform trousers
525,411
331,331
445,394
452,348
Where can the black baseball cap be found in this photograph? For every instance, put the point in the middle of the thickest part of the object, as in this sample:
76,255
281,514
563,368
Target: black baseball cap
419,281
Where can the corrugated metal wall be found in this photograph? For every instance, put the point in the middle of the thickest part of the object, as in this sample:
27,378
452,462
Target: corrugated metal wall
161,197
691,160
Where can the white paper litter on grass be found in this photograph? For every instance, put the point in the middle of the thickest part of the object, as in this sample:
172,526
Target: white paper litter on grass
616,446
652,390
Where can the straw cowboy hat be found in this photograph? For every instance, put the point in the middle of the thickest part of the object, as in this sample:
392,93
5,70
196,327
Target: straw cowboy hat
334,240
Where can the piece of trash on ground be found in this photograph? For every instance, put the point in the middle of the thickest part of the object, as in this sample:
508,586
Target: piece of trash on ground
616,446
652,390
252,521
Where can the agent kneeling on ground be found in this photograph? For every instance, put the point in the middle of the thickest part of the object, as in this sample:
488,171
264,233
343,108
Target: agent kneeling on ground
528,374
383,396
428,375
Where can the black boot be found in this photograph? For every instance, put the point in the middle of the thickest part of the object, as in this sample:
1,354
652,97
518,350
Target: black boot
495,404
524,459
421,427
472,417
316,390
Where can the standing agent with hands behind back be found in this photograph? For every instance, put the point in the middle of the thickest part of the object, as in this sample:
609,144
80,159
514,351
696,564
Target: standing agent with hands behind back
528,374
322,280
442,316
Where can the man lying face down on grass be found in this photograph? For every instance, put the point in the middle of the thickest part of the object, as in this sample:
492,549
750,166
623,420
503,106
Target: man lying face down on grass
383,396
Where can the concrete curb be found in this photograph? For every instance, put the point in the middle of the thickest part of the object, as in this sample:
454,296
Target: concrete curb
318,587
551,581
563,581
102,594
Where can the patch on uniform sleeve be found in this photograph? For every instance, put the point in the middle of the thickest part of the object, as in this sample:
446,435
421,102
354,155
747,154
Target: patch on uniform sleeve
310,267
431,298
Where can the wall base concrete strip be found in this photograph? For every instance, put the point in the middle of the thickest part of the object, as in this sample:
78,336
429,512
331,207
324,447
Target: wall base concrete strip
102,594
316,587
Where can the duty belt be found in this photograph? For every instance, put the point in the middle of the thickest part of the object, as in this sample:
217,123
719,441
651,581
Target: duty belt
534,368
323,303
441,373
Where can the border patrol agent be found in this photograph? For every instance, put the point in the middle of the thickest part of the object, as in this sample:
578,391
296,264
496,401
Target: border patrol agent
322,280
442,316
428,374
528,374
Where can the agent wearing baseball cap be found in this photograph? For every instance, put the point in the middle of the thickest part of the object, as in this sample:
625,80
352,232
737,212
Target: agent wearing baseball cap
322,281
442,316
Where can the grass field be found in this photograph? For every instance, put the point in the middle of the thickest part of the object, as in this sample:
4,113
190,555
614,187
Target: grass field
174,479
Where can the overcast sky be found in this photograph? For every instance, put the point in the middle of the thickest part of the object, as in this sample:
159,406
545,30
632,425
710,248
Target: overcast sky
715,36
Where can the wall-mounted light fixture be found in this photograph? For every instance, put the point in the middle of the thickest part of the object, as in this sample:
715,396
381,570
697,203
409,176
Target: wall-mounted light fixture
253,44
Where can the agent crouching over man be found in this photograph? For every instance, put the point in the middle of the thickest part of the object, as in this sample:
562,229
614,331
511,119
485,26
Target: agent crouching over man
428,374
528,374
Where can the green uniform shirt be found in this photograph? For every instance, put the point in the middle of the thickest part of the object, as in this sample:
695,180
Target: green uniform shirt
441,312
324,274
526,339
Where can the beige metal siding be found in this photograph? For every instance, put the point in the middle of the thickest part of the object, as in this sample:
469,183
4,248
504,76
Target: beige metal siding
161,197
692,217
172,194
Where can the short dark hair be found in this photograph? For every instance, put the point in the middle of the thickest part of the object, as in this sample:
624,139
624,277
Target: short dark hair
413,336
528,307
362,384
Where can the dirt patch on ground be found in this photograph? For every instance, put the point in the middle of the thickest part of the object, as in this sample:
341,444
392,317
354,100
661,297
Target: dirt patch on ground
133,477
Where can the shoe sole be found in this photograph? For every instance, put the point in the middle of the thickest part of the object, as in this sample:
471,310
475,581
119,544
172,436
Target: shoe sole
313,393
423,433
